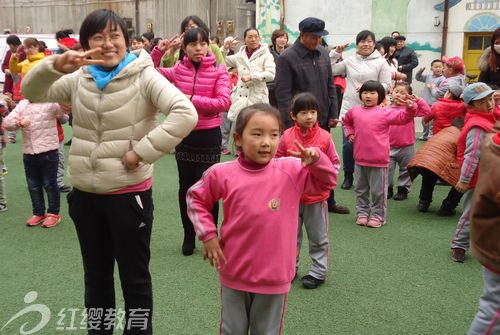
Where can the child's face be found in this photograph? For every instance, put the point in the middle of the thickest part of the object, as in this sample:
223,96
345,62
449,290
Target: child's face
399,92
30,50
136,45
485,105
369,98
305,119
448,71
437,68
260,138
13,48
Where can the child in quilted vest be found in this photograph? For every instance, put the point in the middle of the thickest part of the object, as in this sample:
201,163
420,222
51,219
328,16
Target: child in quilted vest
207,85
313,211
482,114
40,144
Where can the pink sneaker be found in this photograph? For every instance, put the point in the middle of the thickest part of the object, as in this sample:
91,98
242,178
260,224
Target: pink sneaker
226,151
362,220
35,220
51,221
374,223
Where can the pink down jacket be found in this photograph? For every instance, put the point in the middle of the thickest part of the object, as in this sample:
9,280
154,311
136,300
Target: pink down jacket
209,87
41,135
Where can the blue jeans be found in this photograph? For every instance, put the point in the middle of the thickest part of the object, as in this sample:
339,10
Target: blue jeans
41,173
347,154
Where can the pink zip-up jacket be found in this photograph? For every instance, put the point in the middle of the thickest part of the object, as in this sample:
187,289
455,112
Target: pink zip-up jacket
370,127
41,135
404,135
208,86
259,231
315,137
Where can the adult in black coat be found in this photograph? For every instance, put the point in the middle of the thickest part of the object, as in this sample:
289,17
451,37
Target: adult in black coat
406,57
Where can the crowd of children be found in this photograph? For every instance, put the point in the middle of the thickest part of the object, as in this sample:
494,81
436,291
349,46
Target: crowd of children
300,164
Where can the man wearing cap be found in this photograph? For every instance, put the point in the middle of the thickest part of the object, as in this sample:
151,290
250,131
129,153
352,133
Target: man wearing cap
406,57
482,114
305,67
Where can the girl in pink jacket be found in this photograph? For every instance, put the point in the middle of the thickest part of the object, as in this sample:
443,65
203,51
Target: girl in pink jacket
41,157
402,140
255,253
207,85
367,126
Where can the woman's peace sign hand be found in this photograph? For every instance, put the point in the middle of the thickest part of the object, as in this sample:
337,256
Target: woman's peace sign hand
70,61
308,156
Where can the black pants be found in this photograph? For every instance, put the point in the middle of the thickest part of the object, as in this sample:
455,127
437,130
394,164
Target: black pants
429,180
194,155
115,228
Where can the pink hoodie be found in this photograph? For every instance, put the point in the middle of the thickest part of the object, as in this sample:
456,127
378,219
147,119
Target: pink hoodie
404,135
370,127
259,231
315,137
41,135
208,85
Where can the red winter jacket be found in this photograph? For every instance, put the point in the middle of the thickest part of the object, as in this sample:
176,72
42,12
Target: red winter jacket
443,112
208,87
474,118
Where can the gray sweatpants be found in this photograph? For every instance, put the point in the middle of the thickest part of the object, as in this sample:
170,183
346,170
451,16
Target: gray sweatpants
315,219
401,156
370,183
462,233
60,166
262,314
487,320
3,195
225,129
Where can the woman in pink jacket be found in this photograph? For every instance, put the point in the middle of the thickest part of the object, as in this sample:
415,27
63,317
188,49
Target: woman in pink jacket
207,85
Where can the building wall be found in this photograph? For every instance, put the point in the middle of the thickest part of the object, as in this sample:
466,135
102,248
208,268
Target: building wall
49,16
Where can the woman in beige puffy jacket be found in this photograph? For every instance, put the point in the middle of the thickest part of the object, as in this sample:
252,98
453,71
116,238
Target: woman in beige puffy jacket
115,97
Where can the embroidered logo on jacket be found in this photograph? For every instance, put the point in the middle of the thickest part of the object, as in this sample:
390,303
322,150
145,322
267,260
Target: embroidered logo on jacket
274,204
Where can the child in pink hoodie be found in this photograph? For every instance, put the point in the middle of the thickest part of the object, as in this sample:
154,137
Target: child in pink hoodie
367,126
402,141
313,211
255,253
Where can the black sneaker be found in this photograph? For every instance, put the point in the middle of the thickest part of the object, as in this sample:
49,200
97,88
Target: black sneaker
458,255
3,207
402,194
348,180
446,211
339,209
423,206
309,282
390,193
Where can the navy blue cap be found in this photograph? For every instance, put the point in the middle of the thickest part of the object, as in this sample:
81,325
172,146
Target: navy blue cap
313,25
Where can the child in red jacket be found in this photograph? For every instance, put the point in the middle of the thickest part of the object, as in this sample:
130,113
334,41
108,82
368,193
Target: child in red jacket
446,109
313,212
482,114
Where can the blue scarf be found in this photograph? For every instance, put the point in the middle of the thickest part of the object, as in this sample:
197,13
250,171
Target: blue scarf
102,76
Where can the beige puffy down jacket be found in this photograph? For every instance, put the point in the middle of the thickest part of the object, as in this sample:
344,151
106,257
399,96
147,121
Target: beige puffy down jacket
106,123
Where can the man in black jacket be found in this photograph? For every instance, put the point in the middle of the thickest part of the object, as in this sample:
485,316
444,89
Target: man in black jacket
406,57
305,67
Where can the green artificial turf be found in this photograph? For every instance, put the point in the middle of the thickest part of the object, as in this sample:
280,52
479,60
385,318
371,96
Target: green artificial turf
395,280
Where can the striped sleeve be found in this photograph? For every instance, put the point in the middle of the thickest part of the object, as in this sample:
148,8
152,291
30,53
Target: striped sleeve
471,155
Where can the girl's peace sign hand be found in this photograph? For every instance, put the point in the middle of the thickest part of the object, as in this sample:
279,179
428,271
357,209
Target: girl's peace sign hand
307,155
70,61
